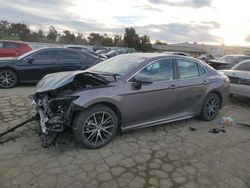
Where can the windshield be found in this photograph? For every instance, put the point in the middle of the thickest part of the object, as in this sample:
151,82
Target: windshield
229,59
120,65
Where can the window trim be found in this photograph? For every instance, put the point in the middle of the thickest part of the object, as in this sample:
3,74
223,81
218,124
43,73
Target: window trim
14,43
197,63
167,58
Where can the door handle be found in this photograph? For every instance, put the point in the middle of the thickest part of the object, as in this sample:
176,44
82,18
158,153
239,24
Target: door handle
172,87
205,82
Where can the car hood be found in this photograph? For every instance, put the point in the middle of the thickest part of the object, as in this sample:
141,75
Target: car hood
236,73
57,80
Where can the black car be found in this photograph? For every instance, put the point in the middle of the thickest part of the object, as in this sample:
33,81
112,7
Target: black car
101,56
228,61
32,66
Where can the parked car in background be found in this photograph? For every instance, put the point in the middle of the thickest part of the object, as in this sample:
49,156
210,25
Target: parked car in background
32,66
13,48
239,77
127,92
102,51
227,61
177,53
99,47
103,57
112,53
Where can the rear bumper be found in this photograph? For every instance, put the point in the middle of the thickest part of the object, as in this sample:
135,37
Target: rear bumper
239,89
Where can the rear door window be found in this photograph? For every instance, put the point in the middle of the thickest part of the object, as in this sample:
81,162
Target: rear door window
187,69
1,45
11,45
70,55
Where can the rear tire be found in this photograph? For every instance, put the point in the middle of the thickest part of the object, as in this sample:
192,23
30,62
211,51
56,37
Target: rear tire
8,79
95,127
211,106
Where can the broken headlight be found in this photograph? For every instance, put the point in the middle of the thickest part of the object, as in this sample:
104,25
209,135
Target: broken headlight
59,104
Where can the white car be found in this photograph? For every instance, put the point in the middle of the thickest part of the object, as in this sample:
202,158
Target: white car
239,77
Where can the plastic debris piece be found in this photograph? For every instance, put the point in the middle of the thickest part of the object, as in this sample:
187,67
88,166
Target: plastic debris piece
227,120
215,130
192,129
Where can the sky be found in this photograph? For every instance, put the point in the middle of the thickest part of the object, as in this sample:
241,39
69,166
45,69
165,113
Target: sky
174,21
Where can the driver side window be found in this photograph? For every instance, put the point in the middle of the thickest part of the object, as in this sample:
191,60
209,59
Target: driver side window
45,55
161,70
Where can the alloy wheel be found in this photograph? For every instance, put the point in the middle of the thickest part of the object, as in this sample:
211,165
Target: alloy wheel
212,106
7,79
98,128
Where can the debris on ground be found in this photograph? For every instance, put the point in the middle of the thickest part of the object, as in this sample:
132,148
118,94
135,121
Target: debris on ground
19,125
192,129
227,120
217,130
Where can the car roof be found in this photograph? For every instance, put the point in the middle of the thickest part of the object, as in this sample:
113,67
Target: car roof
14,41
237,55
155,55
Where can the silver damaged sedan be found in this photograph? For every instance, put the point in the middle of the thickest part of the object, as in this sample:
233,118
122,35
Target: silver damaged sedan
127,92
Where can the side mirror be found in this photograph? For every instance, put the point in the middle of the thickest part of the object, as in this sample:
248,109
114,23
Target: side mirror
143,80
30,60
139,81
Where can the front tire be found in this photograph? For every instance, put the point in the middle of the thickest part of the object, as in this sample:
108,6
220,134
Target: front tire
95,127
8,79
211,106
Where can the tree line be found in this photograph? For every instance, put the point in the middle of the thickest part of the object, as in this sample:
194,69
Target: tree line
20,31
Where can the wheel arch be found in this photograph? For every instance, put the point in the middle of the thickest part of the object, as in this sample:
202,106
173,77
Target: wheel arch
216,92
105,103
12,69
111,106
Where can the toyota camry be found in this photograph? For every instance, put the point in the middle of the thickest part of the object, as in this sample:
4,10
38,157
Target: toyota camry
128,92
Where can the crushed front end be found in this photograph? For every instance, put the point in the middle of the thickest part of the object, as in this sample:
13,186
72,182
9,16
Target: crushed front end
54,98
55,114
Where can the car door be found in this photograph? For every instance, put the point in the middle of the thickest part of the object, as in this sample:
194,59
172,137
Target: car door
150,102
191,86
37,65
71,60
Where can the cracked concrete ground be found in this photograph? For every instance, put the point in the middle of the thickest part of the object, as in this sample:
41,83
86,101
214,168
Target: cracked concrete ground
167,155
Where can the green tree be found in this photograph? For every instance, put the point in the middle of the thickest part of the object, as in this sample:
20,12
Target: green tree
158,42
95,38
34,37
117,38
4,28
144,44
21,30
52,34
67,37
107,41
131,38
80,39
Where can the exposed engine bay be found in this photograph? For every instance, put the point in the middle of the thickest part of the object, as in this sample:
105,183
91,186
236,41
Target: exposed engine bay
54,106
